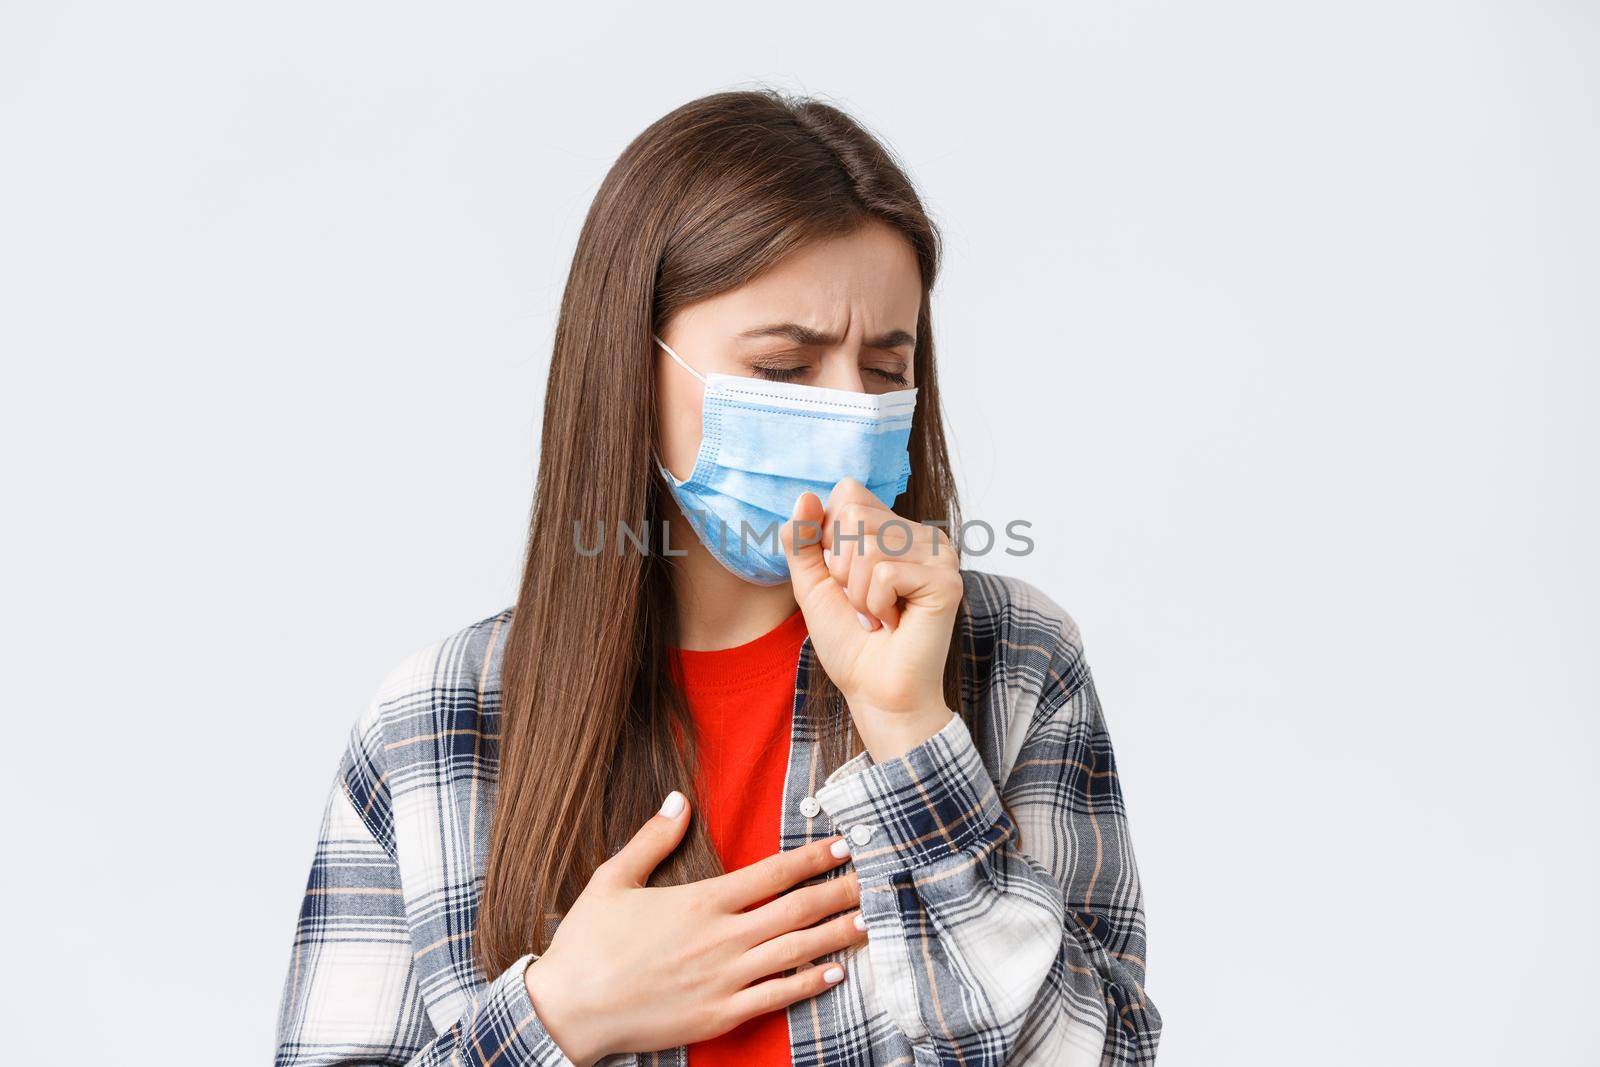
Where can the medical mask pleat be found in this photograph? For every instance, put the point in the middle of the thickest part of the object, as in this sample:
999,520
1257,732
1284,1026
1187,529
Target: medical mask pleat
812,443
764,443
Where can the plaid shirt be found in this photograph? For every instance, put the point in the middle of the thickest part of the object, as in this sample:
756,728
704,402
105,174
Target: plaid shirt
979,950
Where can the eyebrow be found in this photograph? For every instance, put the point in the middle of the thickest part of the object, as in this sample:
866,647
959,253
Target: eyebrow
805,335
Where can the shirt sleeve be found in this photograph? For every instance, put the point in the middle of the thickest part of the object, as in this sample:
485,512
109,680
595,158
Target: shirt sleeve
350,996
990,951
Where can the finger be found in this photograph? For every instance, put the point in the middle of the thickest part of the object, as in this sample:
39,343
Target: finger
859,582
904,540
851,532
847,530
799,908
941,549
853,516
653,843
885,536
766,878
850,491
801,946
818,595
862,535
855,529
802,544
937,588
778,993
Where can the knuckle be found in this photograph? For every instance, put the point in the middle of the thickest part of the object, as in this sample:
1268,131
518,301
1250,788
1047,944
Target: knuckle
786,993
713,1018
775,877
699,906
696,969
851,522
861,567
898,537
792,954
792,911
768,997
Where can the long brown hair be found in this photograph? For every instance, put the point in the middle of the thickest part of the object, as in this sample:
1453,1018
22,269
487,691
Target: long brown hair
593,731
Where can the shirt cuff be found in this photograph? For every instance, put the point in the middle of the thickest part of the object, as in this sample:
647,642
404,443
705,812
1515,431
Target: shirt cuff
506,1030
923,806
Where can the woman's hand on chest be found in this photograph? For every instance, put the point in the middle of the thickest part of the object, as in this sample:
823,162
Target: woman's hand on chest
880,595
639,968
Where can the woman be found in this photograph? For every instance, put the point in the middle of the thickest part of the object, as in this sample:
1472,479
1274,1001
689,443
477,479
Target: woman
892,831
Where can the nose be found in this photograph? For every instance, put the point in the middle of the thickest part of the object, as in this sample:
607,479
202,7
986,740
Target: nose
841,369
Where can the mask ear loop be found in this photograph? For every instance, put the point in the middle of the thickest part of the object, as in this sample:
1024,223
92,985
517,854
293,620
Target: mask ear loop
679,359
671,478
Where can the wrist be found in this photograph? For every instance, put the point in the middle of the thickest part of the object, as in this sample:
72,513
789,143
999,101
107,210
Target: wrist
890,735
567,1023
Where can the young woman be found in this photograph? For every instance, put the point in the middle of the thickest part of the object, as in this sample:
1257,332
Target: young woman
892,831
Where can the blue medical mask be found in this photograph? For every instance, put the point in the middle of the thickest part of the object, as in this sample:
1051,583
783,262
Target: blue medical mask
764,443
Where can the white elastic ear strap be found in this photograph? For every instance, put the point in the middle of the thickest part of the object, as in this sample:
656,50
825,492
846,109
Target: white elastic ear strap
679,359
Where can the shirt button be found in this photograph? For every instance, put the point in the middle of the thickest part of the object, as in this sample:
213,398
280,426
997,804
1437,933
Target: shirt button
809,807
861,833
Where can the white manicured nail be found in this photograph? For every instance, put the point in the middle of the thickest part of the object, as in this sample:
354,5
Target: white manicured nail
840,848
860,921
832,974
673,804
866,622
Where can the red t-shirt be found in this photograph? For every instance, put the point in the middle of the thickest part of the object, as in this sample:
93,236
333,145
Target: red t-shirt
742,701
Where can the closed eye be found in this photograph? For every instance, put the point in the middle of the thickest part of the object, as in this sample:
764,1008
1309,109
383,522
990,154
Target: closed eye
893,377
781,374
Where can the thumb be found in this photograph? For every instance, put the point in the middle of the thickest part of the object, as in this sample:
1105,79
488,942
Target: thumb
654,841
802,545
819,596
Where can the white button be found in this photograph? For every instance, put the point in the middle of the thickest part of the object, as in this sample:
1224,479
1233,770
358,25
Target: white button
809,807
861,833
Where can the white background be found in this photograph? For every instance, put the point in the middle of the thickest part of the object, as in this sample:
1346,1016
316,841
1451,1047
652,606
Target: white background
1279,321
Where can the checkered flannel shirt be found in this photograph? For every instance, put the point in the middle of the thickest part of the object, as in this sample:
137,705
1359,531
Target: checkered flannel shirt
980,949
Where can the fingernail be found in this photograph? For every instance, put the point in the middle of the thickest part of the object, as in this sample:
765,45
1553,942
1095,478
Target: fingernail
866,622
839,848
832,974
827,556
673,804
860,921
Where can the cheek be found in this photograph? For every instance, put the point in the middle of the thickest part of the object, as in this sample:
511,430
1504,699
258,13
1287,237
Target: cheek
677,419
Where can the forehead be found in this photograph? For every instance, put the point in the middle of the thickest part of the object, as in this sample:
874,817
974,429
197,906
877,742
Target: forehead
868,280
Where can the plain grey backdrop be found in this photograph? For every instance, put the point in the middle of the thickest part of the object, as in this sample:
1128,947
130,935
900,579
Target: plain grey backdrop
1278,320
